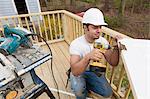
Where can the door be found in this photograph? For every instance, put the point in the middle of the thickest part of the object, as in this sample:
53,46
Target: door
21,6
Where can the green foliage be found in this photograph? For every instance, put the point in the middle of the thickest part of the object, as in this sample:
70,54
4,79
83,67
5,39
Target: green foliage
89,1
125,81
146,5
113,21
136,5
116,3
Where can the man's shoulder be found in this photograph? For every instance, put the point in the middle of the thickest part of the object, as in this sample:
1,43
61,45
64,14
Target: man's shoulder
76,46
78,40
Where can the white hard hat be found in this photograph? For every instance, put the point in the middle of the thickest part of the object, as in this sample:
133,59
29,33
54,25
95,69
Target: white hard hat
93,16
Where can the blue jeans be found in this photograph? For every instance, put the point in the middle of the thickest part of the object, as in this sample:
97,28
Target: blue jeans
90,81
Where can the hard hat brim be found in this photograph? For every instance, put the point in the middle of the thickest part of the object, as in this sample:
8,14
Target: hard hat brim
101,24
96,24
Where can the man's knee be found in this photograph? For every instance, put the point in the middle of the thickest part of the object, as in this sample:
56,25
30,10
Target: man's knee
78,86
80,92
107,93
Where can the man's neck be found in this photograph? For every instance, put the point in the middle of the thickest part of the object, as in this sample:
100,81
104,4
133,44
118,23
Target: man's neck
88,39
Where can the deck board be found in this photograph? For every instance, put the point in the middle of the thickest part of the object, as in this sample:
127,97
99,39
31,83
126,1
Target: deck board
60,66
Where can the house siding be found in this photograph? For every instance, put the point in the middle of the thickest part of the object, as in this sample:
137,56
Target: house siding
33,6
7,8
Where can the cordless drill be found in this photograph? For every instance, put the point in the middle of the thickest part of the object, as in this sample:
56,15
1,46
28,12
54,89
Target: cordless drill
98,67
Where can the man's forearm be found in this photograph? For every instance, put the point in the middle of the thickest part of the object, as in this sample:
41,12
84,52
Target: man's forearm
112,56
115,56
79,67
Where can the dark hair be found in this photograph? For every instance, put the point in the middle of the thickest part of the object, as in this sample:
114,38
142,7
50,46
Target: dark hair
86,24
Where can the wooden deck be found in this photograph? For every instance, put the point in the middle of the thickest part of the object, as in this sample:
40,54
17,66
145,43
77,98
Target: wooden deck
60,66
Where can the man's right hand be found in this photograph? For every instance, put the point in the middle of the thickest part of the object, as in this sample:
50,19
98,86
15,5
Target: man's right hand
95,55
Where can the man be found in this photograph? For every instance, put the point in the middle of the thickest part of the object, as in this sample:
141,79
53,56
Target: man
82,53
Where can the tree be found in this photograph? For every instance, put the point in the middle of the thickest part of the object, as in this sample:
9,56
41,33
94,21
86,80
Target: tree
121,9
106,5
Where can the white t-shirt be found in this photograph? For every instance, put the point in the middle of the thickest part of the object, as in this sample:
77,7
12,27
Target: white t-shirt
81,47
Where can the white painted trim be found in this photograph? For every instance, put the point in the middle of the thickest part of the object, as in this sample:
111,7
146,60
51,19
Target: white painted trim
63,92
38,3
26,1
39,7
13,3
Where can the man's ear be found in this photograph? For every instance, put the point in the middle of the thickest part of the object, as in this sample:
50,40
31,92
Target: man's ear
85,28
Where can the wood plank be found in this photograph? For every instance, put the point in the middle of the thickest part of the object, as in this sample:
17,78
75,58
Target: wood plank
64,63
50,27
47,79
65,46
60,65
136,62
61,55
54,23
63,69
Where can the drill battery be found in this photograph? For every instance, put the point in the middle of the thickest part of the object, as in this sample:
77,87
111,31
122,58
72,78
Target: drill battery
98,67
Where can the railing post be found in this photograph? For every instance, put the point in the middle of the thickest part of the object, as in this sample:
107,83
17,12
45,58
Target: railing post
65,28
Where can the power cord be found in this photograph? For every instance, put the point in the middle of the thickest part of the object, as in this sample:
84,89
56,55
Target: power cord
51,68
